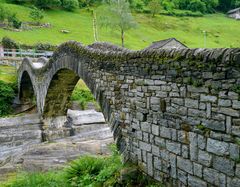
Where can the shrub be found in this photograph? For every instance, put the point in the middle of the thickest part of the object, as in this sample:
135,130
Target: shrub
197,5
44,47
70,5
14,21
36,15
181,13
9,43
6,97
95,171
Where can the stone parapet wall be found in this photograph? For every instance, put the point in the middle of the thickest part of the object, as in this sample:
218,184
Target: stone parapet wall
175,112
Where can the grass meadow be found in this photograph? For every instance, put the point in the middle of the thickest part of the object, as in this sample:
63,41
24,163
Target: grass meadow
221,31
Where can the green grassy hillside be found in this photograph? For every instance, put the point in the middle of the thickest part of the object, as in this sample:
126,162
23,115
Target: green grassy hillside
222,31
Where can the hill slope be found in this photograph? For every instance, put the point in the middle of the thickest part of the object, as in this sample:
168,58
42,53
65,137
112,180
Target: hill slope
222,31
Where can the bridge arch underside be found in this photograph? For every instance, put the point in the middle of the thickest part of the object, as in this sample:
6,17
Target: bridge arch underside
26,91
59,92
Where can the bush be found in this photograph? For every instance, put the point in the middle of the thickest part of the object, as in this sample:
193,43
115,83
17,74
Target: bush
36,15
182,13
14,21
44,47
9,43
95,171
197,5
6,97
70,5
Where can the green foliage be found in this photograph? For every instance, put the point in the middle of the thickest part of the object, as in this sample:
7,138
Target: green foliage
88,171
155,7
9,43
3,13
70,5
6,97
83,95
95,171
14,21
47,4
197,5
49,179
149,29
226,5
43,46
117,15
36,15
182,13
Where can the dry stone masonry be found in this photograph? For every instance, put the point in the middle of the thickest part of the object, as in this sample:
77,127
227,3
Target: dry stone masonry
175,112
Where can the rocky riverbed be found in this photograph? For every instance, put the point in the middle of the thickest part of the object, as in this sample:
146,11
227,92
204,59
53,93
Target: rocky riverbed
21,147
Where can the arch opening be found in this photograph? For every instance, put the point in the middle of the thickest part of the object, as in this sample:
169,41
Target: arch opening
26,92
59,92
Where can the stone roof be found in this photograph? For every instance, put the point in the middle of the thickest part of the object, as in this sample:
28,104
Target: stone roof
234,10
162,43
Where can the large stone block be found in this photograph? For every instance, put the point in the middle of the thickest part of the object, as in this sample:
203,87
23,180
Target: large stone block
208,98
190,103
145,146
224,165
173,147
214,177
185,165
217,147
196,182
204,158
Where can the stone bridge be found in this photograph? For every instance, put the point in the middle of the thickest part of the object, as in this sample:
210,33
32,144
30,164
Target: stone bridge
176,112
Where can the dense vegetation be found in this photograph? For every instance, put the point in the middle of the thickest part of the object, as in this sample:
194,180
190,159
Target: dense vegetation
204,6
7,95
7,89
87,171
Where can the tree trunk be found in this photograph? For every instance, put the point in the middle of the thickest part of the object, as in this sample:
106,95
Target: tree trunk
122,37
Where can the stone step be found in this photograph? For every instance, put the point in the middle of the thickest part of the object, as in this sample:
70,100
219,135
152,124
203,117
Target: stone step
85,117
20,120
88,127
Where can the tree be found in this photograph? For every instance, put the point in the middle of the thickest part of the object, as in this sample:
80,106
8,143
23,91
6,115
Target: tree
117,15
70,5
36,15
47,4
197,5
155,7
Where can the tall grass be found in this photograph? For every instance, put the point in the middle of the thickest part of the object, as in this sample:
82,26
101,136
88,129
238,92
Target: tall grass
49,179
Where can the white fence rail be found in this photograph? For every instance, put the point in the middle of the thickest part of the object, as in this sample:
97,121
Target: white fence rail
25,53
